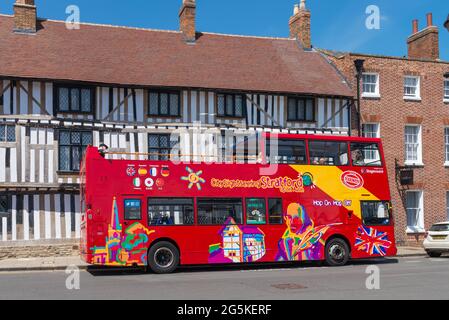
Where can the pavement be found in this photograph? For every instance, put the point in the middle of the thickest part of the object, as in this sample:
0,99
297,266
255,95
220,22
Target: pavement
409,278
61,263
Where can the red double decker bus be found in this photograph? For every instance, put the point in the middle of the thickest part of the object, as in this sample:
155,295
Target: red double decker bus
314,198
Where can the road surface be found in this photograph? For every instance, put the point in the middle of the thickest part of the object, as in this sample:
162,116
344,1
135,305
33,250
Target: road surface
404,278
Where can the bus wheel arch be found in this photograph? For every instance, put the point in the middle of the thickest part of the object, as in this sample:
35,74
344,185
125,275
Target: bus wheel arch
164,256
337,250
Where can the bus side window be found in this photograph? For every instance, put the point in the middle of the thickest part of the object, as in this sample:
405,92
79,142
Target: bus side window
328,153
256,211
275,211
133,209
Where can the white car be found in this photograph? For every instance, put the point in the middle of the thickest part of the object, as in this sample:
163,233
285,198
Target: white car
437,240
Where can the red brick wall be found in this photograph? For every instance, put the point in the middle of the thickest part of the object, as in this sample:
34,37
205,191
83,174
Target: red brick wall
393,113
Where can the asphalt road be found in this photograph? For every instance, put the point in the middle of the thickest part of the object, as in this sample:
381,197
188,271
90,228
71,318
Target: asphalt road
405,278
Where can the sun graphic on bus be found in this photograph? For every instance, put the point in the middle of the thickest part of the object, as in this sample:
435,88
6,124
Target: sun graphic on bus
194,178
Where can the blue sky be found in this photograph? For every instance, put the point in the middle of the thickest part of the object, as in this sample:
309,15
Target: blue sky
338,25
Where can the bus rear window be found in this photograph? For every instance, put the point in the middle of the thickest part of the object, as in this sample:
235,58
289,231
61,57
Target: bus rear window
328,153
365,154
218,211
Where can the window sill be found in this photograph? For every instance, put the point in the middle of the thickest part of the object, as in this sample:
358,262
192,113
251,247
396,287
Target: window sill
302,121
414,164
67,173
414,99
370,96
446,100
230,117
415,230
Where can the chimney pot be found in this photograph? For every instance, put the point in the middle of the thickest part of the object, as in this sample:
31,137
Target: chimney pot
415,26
296,9
429,20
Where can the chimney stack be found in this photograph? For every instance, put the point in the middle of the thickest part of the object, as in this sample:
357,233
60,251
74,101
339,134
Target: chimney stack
300,25
25,16
187,20
424,44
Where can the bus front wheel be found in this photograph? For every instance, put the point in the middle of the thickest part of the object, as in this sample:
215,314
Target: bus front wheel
163,257
337,252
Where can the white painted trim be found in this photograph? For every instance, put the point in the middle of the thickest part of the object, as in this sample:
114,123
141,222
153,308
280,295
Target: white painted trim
47,216
36,215
58,216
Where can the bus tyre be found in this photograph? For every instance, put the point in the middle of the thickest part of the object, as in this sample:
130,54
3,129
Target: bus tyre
163,257
337,252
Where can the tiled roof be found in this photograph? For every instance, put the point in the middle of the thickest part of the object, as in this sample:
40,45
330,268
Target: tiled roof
139,57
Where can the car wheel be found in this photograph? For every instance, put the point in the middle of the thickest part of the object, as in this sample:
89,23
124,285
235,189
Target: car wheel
163,257
434,254
337,252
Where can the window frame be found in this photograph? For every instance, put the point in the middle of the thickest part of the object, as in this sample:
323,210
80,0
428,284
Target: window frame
226,114
243,207
387,205
417,95
8,203
306,152
419,228
419,151
159,114
446,146
347,143
159,148
297,106
5,127
149,203
376,93
124,209
377,132
264,200
281,222
71,146
446,90
70,87
380,160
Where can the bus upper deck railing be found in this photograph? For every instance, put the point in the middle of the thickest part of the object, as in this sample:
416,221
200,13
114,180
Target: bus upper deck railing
181,157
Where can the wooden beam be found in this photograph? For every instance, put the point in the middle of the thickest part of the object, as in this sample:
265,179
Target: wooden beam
33,99
265,112
117,107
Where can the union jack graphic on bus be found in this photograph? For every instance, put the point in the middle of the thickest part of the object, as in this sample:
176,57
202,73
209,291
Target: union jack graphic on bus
372,241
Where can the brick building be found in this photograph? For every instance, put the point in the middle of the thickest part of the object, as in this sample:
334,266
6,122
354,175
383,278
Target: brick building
62,89
405,101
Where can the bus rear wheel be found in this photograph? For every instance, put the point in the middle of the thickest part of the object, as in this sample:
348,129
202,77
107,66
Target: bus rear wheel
337,252
163,257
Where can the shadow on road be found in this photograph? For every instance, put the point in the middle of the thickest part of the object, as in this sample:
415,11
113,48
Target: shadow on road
114,271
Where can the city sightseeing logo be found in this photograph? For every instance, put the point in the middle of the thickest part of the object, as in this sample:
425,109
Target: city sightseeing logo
352,180
283,184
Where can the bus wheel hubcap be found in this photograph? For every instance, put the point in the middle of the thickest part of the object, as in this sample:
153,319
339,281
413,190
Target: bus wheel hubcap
163,257
337,252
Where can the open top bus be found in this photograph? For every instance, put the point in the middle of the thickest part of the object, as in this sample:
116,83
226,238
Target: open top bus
313,198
